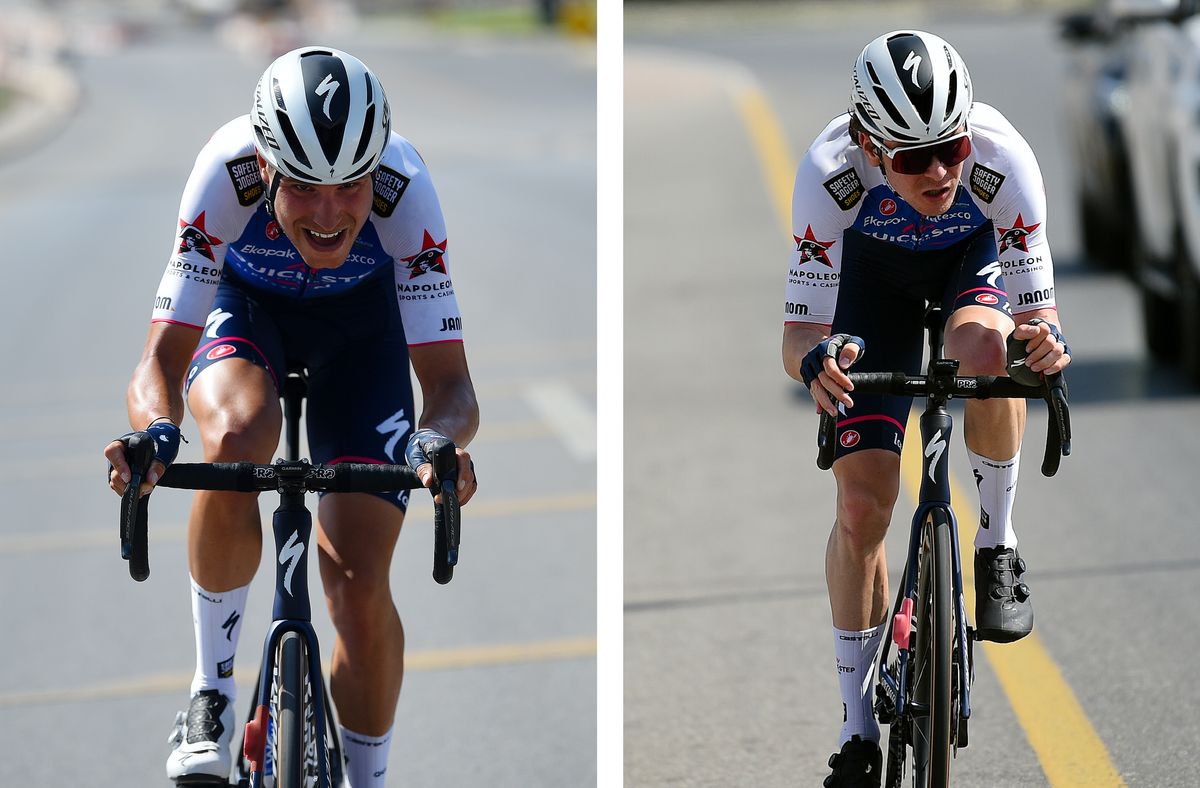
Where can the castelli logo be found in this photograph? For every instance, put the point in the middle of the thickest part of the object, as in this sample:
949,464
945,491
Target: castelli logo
220,351
987,298
273,230
887,207
850,438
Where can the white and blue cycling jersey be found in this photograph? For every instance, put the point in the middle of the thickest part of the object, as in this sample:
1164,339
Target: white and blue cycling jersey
224,231
838,191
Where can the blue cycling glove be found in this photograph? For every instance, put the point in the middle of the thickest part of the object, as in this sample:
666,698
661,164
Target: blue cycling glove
166,437
814,361
414,452
1017,355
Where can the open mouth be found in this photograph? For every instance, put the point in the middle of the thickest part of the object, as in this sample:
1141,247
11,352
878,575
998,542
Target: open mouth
938,194
324,241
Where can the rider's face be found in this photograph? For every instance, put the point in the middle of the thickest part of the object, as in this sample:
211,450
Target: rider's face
931,193
322,221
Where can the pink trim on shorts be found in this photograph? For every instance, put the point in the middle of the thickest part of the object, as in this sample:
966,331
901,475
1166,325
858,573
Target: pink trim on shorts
176,323
257,349
898,425
983,289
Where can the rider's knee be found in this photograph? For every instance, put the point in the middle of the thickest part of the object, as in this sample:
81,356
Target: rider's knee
357,603
980,351
863,514
233,435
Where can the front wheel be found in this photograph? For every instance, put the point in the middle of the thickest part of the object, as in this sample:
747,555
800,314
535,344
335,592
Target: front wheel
933,656
291,713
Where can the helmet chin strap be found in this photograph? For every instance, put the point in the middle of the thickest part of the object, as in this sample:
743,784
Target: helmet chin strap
272,190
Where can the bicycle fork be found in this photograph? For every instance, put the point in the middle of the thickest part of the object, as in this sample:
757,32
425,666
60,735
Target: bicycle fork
292,524
894,690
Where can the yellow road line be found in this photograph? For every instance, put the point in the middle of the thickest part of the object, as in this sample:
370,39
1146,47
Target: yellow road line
1066,744
771,146
432,660
76,540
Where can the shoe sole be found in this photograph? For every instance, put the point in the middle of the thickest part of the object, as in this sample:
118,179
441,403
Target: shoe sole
999,635
202,781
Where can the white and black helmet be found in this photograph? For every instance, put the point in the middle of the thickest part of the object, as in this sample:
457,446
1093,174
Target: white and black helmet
320,116
910,87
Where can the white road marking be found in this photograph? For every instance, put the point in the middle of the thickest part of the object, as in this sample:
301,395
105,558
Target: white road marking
568,414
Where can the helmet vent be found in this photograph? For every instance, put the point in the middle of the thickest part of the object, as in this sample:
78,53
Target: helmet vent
951,107
368,127
289,134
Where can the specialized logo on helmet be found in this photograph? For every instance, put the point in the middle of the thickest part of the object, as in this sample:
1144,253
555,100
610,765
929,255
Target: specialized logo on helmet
812,250
912,58
429,258
1014,237
327,88
911,64
194,238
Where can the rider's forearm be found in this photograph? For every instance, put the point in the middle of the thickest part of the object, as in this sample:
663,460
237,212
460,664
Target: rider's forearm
452,410
156,388
798,339
153,393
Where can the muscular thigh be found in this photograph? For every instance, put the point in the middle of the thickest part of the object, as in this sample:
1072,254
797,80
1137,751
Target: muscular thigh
877,303
231,386
357,535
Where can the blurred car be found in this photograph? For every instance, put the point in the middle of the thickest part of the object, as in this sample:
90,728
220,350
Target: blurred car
1093,99
1136,64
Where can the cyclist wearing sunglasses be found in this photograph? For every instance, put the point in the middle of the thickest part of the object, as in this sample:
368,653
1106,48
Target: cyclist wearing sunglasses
915,194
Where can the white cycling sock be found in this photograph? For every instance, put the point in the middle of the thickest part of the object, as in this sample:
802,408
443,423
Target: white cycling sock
997,482
217,619
366,759
855,653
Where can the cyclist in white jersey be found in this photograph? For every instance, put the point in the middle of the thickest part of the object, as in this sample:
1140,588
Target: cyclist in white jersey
916,194
309,235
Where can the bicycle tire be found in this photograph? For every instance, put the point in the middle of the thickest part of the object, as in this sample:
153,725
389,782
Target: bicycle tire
933,658
289,711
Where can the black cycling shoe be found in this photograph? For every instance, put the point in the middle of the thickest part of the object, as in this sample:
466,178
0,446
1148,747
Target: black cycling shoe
858,765
1003,612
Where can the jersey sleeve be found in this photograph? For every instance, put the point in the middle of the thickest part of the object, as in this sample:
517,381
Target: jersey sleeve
211,214
412,230
824,200
1006,177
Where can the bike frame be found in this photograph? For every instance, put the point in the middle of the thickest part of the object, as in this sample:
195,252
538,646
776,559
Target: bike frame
292,610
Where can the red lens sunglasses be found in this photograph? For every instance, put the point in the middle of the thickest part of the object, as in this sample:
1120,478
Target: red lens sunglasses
915,159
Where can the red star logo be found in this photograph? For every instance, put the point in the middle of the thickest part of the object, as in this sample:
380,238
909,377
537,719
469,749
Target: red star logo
194,238
1014,237
429,258
811,249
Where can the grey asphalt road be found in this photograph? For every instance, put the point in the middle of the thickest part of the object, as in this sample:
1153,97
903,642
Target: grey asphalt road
502,674
729,670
